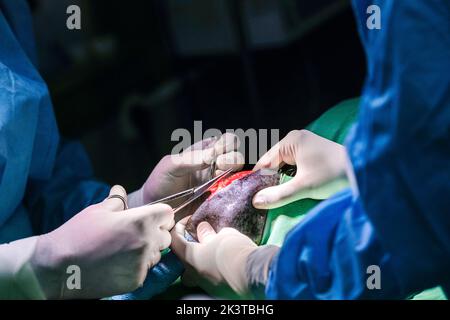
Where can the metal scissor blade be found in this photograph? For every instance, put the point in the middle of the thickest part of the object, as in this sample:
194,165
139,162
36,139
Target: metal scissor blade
200,190
208,184
186,193
192,193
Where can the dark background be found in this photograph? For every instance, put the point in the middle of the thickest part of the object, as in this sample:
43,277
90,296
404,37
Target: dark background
137,70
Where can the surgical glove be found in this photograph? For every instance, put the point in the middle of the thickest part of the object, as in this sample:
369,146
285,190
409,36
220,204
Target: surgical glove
112,247
177,172
17,279
219,258
318,161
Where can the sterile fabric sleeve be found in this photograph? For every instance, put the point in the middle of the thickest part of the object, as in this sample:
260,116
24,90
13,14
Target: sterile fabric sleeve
70,189
257,269
53,184
159,278
400,149
42,178
328,254
17,279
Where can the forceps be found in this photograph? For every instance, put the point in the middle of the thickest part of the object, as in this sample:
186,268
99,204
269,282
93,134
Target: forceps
192,194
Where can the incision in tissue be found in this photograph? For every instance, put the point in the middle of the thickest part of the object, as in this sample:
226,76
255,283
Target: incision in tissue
230,204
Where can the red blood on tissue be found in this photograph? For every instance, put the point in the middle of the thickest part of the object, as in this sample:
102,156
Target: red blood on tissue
230,204
222,183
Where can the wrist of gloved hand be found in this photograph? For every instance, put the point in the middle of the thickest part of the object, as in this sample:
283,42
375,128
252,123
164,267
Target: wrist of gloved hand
18,277
257,269
247,270
232,263
48,267
244,266
103,241
226,259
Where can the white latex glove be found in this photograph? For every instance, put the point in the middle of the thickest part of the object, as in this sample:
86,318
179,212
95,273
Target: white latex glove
175,173
219,258
113,247
318,161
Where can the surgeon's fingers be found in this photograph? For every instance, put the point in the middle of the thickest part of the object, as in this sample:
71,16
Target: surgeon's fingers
204,144
281,153
166,219
186,162
234,160
165,239
116,200
179,243
205,232
180,227
272,159
200,155
277,196
189,161
228,142
160,215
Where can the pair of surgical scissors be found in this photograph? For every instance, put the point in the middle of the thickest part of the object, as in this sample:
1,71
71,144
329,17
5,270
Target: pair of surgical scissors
190,195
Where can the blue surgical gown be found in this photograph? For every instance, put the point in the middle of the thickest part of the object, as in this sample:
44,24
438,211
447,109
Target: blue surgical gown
44,180
397,215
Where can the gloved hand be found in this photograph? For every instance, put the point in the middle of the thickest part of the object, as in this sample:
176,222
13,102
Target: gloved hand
114,248
219,258
175,173
318,161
